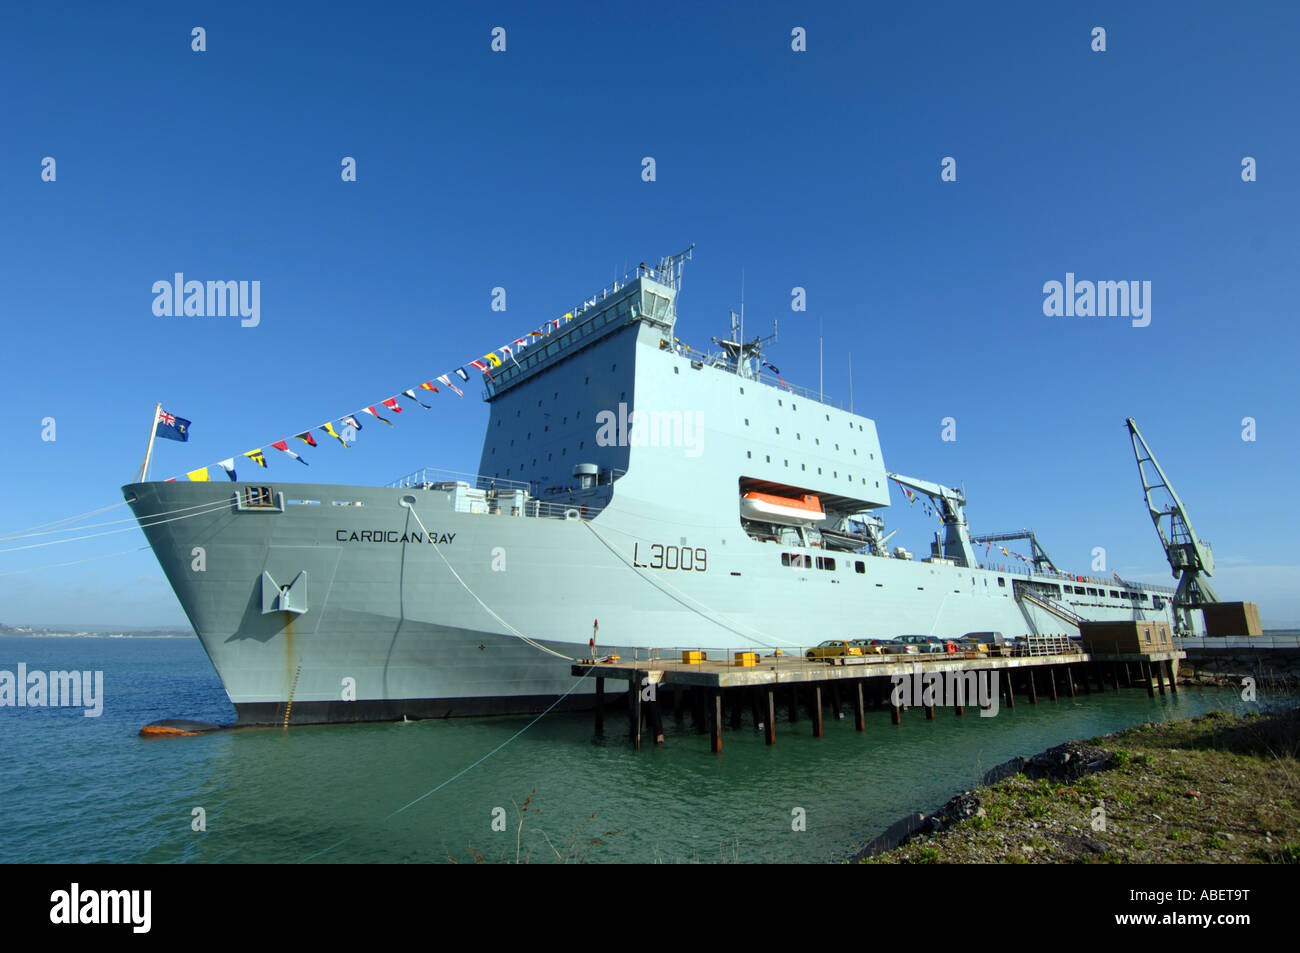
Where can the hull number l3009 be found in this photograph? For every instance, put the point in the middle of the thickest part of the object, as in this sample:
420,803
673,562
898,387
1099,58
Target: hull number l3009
672,557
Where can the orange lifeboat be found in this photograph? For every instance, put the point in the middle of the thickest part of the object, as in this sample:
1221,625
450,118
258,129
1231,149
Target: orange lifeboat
784,510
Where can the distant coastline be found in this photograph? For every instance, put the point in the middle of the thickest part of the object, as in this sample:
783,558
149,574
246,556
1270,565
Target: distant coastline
79,632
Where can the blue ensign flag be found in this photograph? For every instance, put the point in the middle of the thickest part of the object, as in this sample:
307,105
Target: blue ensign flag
172,427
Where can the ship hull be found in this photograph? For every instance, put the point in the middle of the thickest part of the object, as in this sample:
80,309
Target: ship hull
361,603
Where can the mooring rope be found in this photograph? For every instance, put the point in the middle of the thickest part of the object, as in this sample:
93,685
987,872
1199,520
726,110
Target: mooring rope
510,628
661,584
459,774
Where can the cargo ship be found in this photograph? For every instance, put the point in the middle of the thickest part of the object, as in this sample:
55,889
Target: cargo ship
632,494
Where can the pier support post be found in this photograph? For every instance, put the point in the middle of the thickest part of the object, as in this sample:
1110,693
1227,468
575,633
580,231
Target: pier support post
1011,692
770,722
1157,669
1033,689
1051,674
1173,684
817,711
1114,674
699,709
1145,670
1069,681
1096,671
655,719
634,710
1083,679
835,701
959,696
715,720
895,711
600,704
1128,676
859,707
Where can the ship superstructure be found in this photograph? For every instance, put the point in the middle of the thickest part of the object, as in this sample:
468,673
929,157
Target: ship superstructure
681,498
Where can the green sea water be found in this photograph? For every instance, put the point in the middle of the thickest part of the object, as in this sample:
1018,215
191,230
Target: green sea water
77,789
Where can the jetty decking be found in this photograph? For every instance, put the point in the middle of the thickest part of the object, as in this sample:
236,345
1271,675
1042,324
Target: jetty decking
716,684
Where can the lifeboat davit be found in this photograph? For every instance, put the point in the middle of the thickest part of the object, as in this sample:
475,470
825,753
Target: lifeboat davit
785,510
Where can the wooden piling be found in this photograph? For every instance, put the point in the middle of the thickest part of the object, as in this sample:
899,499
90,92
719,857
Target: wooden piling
634,712
700,710
1069,681
771,716
715,720
1033,689
1114,674
817,710
654,718
1011,692
859,707
1173,684
1145,670
1051,674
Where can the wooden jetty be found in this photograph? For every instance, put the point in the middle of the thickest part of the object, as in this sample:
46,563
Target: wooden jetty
712,682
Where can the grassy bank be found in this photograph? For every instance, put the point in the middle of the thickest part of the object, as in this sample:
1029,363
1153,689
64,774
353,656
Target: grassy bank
1220,789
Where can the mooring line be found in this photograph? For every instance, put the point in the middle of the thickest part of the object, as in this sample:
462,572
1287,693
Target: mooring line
460,773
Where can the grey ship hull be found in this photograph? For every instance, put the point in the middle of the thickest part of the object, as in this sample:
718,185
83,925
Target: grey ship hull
408,620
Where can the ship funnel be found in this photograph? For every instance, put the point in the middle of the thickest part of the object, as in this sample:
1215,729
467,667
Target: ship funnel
586,475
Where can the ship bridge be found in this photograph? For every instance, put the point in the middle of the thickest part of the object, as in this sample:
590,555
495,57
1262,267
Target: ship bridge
613,389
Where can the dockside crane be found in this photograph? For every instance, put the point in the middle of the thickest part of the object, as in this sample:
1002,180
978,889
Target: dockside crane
1190,557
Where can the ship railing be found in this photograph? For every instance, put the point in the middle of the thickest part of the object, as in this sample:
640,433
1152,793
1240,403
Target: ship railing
427,478
559,511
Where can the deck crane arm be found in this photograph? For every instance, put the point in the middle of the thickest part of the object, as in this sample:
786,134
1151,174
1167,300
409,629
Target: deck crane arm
1190,558
951,503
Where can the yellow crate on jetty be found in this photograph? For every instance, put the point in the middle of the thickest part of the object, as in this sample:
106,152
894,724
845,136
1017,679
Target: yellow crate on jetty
746,659
694,657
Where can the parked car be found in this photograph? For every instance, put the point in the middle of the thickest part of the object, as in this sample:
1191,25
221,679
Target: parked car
834,648
991,642
873,646
922,644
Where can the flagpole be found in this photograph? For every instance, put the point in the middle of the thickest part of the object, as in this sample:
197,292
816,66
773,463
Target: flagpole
153,431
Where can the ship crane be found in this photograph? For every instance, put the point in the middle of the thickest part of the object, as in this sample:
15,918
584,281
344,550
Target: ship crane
954,543
1190,558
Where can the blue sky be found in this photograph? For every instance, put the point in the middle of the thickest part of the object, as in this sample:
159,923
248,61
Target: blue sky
818,169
